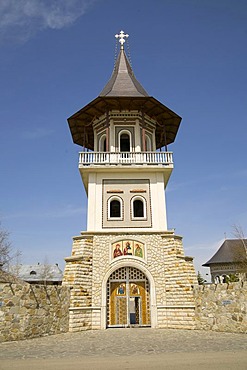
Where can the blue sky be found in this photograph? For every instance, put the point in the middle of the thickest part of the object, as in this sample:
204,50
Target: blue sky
56,56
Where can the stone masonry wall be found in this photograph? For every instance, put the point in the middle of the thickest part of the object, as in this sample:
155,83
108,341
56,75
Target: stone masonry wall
177,309
78,276
28,311
173,277
221,307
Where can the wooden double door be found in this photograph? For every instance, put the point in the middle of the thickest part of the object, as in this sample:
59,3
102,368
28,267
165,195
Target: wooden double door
128,298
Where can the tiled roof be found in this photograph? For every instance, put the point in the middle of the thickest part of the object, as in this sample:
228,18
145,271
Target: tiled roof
124,92
40,272
232,250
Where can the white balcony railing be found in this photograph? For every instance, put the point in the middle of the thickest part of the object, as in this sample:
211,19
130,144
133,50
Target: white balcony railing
113,158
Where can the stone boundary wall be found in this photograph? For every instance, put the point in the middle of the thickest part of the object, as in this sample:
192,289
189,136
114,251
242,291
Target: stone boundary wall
28,311
221,307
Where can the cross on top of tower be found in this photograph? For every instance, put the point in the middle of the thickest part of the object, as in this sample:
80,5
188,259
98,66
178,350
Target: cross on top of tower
121,38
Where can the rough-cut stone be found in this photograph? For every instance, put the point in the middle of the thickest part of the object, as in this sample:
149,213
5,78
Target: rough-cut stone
28,311
221,307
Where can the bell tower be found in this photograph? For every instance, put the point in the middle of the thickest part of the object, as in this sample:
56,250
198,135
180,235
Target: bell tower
122,269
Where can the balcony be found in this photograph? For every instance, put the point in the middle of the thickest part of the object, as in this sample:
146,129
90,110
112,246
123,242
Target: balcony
125,158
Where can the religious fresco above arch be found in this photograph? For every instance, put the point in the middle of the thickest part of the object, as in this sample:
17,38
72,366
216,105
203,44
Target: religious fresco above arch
127,247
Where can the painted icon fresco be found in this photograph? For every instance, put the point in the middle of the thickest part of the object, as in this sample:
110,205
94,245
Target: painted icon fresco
117,249
121,289
138,250
128,248
134,289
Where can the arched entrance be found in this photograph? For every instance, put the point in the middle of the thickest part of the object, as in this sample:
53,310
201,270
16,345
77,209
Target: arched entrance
128,298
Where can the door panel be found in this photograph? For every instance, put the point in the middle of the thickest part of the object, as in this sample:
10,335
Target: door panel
128,302
118,304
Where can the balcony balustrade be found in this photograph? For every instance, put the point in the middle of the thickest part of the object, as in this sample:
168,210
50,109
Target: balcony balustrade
123,158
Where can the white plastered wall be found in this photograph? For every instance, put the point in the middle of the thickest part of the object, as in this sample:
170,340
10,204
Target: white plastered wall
96,206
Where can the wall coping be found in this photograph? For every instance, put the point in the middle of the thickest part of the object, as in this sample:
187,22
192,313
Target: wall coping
84,308
176,307
163,234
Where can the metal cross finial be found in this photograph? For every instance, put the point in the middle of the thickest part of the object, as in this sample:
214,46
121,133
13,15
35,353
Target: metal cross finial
121,37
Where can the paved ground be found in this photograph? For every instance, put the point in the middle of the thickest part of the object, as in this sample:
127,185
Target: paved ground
128,349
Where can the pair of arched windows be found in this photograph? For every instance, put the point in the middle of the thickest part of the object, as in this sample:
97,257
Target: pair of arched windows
138,208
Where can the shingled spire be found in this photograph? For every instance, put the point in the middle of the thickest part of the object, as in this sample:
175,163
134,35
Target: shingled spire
123,81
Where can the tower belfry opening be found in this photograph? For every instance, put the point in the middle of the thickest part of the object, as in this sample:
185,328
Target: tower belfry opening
127,268
124,143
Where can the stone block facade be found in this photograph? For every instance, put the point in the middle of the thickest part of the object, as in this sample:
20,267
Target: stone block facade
171,277
221,307
28,311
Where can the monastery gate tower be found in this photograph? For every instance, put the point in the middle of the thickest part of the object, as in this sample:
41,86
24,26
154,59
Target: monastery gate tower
127,269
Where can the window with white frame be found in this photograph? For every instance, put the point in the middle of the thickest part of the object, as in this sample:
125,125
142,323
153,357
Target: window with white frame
115,208
138,208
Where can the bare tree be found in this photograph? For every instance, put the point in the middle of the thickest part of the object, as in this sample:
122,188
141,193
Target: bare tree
15,263
46,272
238,233
7,255
5,247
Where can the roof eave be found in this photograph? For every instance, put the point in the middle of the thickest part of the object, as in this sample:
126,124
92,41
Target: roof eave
168,122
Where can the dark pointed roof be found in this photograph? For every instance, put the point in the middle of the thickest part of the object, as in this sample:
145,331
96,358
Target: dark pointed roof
124,92
123,81
232,250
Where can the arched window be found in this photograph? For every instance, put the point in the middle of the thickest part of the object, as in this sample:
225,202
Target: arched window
138,208
125,141
148,143
102,143
33,272
216,279
115,208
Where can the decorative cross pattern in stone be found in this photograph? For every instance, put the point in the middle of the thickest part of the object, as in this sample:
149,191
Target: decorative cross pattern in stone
121,38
